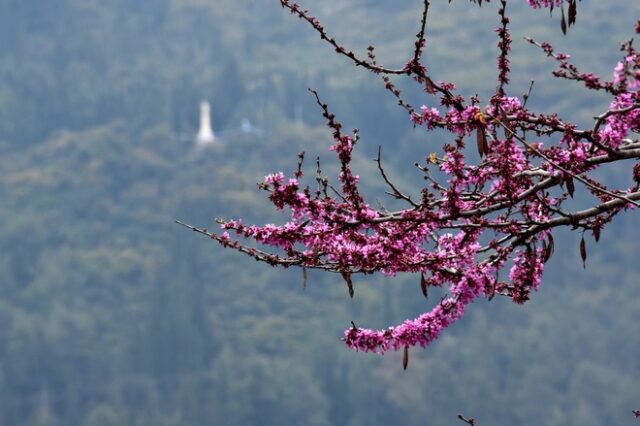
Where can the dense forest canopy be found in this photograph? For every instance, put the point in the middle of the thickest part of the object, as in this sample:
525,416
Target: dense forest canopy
113,315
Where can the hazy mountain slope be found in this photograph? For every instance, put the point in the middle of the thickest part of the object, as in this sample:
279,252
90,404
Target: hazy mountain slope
113,315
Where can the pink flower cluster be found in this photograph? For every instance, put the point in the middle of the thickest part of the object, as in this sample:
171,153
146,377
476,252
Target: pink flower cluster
536,4
544,3
627,72
625,119
525,274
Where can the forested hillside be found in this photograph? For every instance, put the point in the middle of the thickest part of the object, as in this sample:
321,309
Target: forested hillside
114,315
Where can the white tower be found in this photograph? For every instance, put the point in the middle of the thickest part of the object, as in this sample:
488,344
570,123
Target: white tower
205,134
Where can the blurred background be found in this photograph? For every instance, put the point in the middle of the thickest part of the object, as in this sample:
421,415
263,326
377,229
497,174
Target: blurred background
110,314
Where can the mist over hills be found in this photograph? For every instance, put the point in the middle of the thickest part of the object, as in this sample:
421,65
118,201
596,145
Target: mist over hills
114,315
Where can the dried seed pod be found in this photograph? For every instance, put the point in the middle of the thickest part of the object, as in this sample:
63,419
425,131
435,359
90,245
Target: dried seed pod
547,250
405,358
423,286
583,252
304,277
347,280
481,141
572,12
570,185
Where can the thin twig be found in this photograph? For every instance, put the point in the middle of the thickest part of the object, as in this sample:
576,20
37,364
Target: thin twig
395,190
420,36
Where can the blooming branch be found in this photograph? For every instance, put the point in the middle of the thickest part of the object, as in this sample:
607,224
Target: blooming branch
474,218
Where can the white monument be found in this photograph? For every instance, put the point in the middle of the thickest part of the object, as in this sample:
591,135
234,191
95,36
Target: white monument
205,134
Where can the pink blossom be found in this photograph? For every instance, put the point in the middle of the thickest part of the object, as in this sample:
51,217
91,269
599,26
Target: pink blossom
544,3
